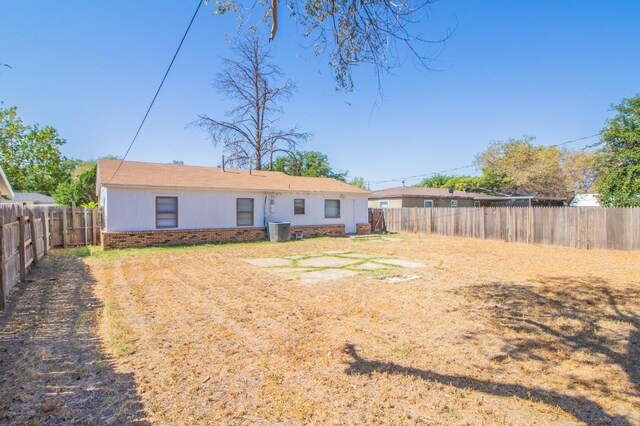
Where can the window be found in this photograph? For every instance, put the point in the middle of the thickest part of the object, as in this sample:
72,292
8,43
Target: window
166,212
454,203
331,208
383,204
476,204
244,211
298,206
428,203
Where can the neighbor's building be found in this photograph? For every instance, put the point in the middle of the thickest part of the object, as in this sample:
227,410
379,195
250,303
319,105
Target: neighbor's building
410,196
30,199
585,200
150,204
5,186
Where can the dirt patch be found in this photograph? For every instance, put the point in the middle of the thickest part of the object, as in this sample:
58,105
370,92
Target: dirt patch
52,368
401,262
268,262
325,275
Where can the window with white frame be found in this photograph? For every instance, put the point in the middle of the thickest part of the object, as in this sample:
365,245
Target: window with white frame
383,204
331,209
476,204
428,203
454,203
298,206
166,212
244,211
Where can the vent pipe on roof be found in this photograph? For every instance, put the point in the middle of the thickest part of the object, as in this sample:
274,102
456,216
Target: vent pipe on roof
223,163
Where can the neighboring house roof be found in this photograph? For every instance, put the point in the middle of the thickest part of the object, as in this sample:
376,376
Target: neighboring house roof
411,191
32,197
5,186
138,174
585,200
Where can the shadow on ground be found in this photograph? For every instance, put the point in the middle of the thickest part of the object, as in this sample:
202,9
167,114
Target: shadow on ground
553,319
52,368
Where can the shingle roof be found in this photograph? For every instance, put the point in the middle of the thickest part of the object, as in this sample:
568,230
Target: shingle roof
34,197
134,173
411,191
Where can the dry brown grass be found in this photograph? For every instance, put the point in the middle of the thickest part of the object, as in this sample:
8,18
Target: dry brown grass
493,333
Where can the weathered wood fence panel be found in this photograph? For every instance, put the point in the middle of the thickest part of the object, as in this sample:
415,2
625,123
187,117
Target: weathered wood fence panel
579,227
26,234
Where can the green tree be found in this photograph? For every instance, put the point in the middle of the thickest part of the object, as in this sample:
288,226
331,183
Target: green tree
30,155
360,183
81,188
461,183
517,166
307,163
618,159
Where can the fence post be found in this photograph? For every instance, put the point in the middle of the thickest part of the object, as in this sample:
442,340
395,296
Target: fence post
34,239
94,225
64,227
2,261
22,249
45,230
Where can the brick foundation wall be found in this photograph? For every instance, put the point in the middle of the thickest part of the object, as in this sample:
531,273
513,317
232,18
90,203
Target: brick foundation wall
115,240
311,231
363,228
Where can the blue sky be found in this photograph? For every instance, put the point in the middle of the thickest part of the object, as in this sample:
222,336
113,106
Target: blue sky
543,68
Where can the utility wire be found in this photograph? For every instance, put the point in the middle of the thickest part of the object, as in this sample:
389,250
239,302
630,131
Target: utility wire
470,165
184,36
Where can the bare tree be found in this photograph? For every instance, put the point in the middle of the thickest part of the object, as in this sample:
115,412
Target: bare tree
251,137
353,32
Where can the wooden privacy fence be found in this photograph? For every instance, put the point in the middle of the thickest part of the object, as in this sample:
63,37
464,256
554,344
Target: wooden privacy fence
579,227
26,234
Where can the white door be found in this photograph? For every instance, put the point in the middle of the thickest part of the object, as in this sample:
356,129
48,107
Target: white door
350,217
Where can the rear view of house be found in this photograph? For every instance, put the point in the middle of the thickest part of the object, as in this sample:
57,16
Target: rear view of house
150,204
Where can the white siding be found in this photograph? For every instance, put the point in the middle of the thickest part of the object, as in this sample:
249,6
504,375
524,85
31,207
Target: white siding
133,209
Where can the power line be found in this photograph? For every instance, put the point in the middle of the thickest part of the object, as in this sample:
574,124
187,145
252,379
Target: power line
374,182
184,36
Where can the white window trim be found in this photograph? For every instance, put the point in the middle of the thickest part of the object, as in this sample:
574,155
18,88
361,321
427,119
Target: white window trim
454,203
424,203
383,201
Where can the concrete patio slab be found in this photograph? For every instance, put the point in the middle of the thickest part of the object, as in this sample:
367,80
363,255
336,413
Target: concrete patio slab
326,262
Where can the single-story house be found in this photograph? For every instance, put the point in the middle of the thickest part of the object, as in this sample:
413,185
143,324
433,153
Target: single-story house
410,196
5,186
150,204
30,199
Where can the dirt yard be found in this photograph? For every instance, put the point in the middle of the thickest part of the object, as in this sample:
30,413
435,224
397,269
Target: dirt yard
481,333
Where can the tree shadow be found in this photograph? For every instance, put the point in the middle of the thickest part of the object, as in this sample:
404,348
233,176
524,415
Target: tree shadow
563,315
551,319
52,367
582,408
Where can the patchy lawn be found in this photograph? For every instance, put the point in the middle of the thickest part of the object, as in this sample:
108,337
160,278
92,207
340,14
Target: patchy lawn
53,369
490,333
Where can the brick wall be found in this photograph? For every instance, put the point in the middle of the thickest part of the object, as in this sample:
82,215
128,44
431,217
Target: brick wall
311,231
363,228
116,240
113,240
